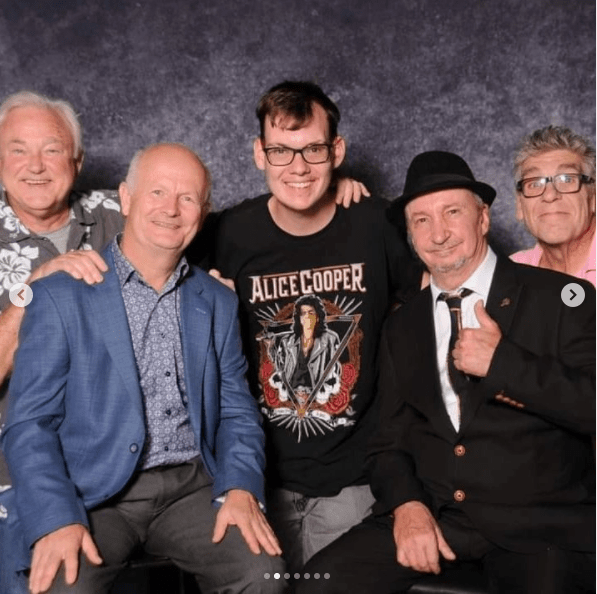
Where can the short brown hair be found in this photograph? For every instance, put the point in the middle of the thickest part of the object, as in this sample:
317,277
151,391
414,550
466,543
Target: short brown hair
294,100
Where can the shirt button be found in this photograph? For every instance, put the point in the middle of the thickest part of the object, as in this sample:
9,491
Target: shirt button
459,495
168,412
167,374
133,448
166,448
460,450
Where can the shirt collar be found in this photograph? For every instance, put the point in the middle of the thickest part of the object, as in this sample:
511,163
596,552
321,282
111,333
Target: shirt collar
11,224
479,281
18,230
125,270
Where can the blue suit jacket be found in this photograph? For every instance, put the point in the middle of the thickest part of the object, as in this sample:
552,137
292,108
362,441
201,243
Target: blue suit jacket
75,424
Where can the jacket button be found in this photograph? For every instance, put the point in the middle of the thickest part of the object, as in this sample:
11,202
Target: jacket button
133,448
460,450
459,496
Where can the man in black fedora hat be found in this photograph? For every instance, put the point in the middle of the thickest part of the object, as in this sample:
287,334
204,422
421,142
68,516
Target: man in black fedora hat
487,404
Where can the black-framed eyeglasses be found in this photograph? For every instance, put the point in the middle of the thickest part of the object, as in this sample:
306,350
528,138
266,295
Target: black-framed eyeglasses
312,154
564,183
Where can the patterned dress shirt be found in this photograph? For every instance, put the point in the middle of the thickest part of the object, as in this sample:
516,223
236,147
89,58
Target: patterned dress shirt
154,324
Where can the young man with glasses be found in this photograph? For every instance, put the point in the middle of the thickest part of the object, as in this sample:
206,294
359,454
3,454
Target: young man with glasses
278,248
555,197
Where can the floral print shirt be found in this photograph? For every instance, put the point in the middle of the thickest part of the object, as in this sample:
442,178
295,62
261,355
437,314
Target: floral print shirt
95,220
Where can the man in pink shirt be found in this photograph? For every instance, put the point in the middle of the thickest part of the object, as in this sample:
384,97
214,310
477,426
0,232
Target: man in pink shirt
554,170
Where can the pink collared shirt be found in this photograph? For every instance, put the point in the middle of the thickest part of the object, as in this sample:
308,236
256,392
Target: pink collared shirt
533,257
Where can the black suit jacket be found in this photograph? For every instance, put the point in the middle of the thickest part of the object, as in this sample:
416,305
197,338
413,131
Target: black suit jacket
526,468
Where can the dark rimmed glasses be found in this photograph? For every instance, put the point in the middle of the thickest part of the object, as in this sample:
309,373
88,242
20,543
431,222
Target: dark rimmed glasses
314,154
564,183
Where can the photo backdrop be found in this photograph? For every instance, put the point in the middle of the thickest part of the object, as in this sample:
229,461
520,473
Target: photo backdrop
470,76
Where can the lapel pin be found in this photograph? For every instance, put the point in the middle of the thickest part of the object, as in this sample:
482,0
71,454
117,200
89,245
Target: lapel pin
505,302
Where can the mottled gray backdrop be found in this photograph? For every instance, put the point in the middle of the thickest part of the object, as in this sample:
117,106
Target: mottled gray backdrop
470,76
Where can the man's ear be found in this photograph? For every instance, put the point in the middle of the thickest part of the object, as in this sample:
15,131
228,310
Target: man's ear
485,219
125,198
259,154
339,151
79,163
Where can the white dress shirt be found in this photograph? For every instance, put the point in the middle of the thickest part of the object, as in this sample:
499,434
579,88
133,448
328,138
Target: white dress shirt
479,283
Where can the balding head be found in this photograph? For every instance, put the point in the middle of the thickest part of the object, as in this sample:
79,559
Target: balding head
140,154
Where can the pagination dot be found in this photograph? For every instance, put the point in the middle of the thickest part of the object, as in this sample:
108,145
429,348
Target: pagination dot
326,576
266,576
276,576
286,576
316,576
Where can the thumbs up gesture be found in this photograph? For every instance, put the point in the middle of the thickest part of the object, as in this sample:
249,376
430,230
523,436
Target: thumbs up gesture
475,346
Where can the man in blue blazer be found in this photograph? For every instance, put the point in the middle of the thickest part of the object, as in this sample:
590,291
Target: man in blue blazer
129,412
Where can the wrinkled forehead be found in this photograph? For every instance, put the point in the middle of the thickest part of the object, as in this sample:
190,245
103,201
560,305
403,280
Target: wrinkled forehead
431,202
163,166
22,123
551,162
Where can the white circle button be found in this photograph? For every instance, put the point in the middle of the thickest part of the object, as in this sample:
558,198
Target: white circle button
20,295
573,295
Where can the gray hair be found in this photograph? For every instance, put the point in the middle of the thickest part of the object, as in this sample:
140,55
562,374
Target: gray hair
131,176
553,138
63,109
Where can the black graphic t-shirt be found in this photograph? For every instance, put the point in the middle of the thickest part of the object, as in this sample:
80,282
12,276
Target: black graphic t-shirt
311,311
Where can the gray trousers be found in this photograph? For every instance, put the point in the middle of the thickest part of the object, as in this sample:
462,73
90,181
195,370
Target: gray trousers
168,512
305,525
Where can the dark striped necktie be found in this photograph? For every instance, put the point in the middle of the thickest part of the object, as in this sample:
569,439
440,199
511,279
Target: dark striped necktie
458,378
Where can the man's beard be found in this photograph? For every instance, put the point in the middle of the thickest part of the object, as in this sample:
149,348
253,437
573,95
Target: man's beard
449,267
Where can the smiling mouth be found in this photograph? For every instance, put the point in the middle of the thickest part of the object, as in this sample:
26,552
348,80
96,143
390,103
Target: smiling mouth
551,214
299,184
37,182
166,225
445,250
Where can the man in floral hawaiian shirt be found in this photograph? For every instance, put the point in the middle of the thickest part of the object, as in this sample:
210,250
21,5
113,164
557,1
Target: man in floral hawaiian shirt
44,226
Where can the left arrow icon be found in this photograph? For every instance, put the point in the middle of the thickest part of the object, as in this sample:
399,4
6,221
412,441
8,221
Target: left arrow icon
20,295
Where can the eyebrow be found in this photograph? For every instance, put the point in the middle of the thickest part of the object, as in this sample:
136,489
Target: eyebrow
280,145
419,213
50,140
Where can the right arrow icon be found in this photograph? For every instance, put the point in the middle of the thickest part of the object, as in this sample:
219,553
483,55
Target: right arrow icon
572,295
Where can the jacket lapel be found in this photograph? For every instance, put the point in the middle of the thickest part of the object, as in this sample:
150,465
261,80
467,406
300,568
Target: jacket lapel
501,306
426,395
196,332
504,294
111,319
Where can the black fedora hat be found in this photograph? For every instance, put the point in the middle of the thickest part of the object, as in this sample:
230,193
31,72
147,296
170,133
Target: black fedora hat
438,170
